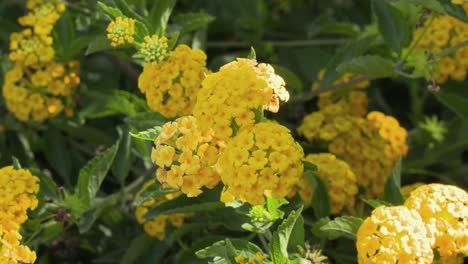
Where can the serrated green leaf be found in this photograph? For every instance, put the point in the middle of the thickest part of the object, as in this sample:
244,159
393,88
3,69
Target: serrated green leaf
121,166
279,242
188,22
346,226
320,198
159,15
433,5
392,25
273,206
392,191
92,175
112,12
290,78
146,120
218,249
126,102
149,134
297,237
372,66
154,191
316,230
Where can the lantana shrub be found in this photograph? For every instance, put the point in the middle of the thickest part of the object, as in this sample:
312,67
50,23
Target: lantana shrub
234,132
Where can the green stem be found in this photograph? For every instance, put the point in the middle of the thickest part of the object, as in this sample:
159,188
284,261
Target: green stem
416,102
278,43
79,9
264,243
449,50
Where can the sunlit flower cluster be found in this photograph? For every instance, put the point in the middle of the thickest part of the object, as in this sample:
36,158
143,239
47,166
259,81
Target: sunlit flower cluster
371,144
186,155
156,227
394,235
340,180
37,87
444,32
18,189
171,86
230,98
444,210
121,31
263,160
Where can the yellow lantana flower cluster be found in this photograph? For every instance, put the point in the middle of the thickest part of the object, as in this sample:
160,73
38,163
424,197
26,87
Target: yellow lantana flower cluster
394,235
263,160
171,86
407,189
257,259
370,145
37,87
156,227
444,210
121,31
18,189
445,32
154,49
186,156
230,97
340,180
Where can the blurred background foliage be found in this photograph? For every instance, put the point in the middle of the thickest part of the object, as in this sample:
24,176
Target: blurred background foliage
299,37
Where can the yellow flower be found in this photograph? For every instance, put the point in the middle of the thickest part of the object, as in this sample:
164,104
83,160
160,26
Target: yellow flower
42,16
154,49
407,189
230,97
121,31
444,210
18,189
340,180
186,156
263,160
393,235
171,86
156,227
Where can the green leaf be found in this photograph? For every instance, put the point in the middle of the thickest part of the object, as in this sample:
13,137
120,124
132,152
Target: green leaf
149,134
127,11
146,120
290,78
121,166
93,174
374,203
154,191
112,12
57,153
455,101
50,231
220,249
188,22
346,226
273,206
318,232
137,247
372,66
159,15
392,191
392,25
279,242
170,207
100,43
309,166
126,102
297,237
320,199
454,10
433,5
252,55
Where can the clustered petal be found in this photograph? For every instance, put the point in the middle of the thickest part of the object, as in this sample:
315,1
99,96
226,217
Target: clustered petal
186,156
230,97
154,49
121,31
371,144
171,87
394,235
37,87
156,227
444,209
339,178
263,160
444,32
18,189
